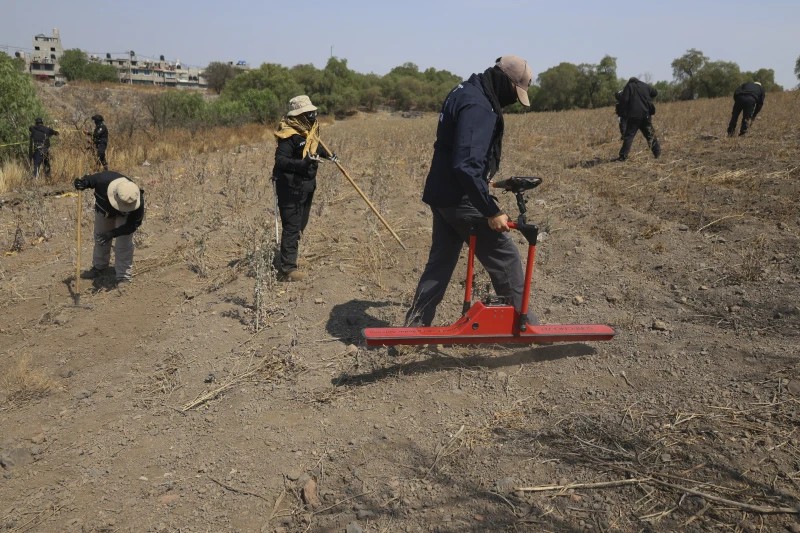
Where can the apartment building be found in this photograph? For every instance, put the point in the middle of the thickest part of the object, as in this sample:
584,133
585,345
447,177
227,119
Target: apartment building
43,60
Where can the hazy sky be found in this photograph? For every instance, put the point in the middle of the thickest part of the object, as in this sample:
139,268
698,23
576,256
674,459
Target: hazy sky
460,36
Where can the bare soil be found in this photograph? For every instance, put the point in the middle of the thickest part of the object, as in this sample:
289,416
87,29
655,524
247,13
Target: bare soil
208,396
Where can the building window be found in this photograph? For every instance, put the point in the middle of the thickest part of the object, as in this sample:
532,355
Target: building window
35,47
52,56
52,49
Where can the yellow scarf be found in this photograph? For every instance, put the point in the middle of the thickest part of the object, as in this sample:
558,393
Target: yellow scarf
294,126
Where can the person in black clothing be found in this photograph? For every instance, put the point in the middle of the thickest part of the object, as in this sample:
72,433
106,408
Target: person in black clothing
99,140
637,108
748,97
620,118
296,160
466,155
119,211
39,147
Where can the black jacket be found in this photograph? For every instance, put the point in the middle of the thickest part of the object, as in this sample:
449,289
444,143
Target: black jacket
292,175
40,138
636,100
753,91
100,136
100,182
459,169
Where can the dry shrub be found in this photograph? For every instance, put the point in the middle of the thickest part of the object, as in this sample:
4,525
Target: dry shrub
754,260
12,175
23,383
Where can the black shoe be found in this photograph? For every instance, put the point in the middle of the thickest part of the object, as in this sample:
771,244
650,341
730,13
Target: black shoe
92,273
621,158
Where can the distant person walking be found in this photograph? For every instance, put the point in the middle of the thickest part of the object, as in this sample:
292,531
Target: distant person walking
99,140
39,147
295,174
637,109
119,211
748,99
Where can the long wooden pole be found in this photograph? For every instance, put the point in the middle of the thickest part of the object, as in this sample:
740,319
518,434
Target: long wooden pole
79,215
364,197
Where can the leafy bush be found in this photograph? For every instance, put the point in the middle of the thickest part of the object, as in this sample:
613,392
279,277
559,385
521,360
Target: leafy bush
75,65
19,106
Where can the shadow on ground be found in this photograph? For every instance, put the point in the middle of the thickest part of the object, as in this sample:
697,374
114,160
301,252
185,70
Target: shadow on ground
348,319
440,361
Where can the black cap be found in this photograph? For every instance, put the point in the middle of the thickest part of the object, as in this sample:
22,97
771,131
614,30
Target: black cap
39,120
97,118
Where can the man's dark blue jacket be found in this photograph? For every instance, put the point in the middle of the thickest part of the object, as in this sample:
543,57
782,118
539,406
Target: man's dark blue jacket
467,126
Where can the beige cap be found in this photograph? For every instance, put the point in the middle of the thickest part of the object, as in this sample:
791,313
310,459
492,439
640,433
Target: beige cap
299,105
520,74
123,195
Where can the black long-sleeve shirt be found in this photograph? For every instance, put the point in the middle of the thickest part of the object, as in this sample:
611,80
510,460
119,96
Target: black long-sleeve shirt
100,136
40,137
291,174
636,100
100,182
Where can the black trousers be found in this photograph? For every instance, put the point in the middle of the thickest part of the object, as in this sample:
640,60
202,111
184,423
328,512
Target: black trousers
100,152
746,104
41,158
645,125
294,211
496,252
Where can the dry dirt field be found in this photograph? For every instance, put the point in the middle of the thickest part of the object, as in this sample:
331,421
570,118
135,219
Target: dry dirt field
209,397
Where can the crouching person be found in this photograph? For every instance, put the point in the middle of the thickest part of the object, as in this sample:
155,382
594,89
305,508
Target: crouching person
119,211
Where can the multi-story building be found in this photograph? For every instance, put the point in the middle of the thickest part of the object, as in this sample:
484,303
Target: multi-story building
145,71
43,61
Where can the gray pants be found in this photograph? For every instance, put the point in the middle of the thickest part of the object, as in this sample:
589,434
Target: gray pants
123,247
496,251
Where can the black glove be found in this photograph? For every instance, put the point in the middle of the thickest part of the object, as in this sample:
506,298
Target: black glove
333,158
80,184
103,238
309,162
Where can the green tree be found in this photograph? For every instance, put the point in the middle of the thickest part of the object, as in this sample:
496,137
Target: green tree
607,72
717,78
217,74
588,85
667,92
558,88
258,87
19,106
75,65
765,76
176,108
685,69
222,112
72,64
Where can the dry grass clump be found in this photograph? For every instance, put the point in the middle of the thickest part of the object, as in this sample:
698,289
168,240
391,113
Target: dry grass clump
13,174
23,383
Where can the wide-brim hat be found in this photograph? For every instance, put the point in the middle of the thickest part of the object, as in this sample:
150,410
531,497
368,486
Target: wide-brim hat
520,74
299,105
124,195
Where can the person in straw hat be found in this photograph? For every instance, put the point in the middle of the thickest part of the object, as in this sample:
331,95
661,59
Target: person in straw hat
296,159
119,211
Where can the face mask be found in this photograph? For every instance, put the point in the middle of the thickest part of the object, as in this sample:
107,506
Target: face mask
311,116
